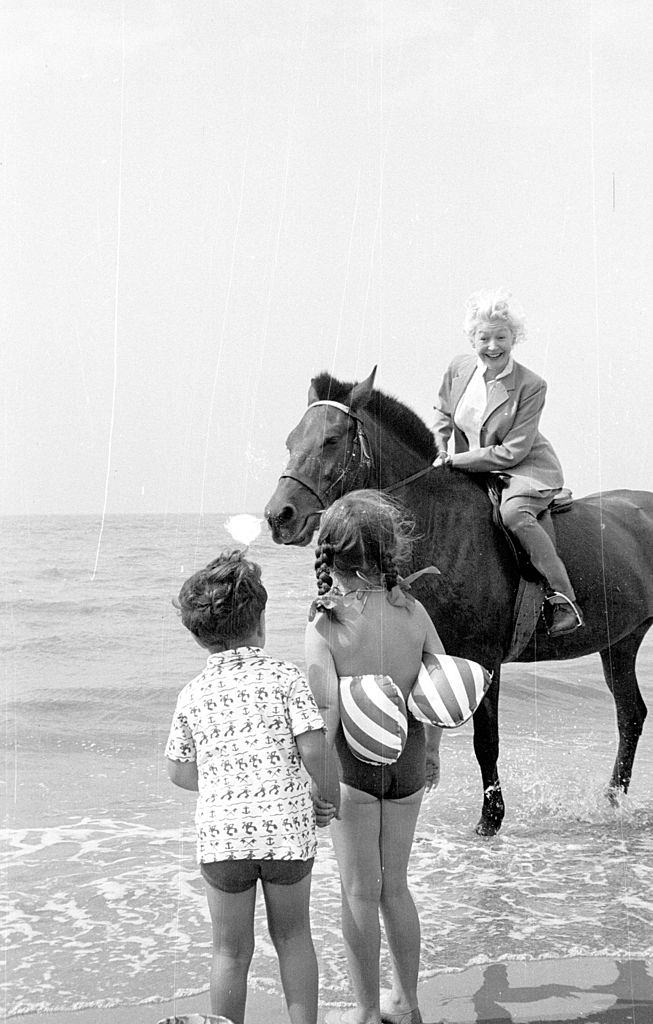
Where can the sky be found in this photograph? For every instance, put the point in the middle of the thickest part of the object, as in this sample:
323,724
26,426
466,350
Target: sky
206,204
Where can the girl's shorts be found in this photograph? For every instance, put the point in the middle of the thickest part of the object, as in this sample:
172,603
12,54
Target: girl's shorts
240,875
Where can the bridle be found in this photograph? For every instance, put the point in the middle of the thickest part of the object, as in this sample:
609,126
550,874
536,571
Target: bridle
361,454
360,457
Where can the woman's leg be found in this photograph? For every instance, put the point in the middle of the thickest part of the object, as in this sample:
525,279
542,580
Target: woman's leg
519,512
290,930
356,838
398,820
232,918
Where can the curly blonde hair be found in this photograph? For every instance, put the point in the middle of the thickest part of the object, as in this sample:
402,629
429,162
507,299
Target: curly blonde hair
222,603
494,304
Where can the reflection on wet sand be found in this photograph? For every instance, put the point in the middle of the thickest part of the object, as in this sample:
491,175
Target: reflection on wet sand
582,989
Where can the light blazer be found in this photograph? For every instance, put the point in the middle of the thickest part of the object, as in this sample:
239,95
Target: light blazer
510,438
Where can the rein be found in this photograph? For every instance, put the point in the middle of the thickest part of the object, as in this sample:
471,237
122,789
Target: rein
366,460
408,479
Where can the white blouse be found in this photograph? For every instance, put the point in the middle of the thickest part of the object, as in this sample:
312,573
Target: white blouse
469,413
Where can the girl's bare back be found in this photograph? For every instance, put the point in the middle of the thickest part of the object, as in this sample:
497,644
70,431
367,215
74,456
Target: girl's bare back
373,636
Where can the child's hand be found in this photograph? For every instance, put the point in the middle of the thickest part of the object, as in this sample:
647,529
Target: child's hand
432,778
324,811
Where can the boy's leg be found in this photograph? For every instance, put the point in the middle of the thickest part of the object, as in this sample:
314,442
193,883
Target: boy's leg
232,919
290,930
398,820
356,837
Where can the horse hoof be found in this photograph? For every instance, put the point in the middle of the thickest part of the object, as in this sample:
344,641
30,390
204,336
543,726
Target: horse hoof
486,827
492,812
615,795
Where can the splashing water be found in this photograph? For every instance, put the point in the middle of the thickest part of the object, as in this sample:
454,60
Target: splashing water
244,528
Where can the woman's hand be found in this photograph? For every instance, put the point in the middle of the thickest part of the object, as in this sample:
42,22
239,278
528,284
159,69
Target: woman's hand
443,459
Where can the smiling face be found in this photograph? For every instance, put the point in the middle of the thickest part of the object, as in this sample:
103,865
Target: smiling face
492,341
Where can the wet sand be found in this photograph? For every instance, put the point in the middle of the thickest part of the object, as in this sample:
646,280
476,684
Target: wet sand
582,990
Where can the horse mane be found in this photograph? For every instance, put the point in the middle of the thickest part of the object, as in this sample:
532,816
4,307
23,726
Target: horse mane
402,421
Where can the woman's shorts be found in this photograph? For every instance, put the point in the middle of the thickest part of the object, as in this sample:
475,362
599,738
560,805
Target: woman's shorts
241,875
386,781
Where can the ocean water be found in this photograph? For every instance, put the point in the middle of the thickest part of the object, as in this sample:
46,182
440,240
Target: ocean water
102,903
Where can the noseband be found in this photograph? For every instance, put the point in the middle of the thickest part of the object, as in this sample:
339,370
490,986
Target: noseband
361,457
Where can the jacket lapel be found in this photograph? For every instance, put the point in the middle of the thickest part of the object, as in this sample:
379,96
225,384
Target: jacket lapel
499,393
460,382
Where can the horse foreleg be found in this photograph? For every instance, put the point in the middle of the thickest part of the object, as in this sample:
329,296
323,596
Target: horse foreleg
486,748
619,670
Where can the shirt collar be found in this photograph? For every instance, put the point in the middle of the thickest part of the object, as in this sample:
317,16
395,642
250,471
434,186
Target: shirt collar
235,653
481,367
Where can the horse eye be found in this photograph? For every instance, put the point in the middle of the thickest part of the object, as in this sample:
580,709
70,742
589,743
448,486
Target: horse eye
330,441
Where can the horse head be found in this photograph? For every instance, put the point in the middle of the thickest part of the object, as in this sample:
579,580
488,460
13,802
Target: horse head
351,436
328,454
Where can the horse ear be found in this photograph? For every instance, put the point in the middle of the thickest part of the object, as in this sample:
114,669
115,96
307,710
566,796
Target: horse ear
362,392
312,393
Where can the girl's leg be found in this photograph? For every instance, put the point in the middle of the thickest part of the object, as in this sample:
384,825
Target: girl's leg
290,930
398,820
232,919
356,837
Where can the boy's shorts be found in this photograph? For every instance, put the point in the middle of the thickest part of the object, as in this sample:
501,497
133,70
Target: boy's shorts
241,875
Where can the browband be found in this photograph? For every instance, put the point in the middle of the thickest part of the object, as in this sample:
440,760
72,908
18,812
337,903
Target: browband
336,405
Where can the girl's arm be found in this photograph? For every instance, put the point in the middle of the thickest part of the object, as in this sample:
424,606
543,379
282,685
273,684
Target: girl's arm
319,761
433,738
323,681
432,645
432,642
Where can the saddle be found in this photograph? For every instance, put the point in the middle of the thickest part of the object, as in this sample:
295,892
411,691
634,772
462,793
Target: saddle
562,502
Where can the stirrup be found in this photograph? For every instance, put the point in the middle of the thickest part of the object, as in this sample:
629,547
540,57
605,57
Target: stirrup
553,598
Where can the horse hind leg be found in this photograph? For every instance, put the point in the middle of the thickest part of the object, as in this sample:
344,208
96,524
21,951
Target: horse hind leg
619,670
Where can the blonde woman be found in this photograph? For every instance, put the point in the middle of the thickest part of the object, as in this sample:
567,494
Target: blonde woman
492,405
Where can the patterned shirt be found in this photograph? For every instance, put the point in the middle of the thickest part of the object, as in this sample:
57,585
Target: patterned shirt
238,720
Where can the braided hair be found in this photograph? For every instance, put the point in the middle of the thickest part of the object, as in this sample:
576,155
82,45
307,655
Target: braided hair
323,562
365,532
222,603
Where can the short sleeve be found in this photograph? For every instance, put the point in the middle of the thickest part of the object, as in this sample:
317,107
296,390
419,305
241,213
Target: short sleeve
180,745
302,709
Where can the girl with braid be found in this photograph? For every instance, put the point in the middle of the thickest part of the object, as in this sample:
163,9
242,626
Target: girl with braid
242,730
366,633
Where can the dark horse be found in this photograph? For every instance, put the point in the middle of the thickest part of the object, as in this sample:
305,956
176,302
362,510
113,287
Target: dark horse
352,436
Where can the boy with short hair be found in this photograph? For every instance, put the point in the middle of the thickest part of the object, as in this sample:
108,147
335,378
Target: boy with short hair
241,732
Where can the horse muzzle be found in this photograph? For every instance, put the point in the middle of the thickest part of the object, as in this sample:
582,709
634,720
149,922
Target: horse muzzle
291,520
